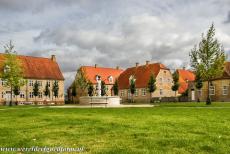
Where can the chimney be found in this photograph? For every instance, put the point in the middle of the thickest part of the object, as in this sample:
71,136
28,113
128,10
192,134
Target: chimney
53,57
95,65
117,67
147,62
184,68
137,64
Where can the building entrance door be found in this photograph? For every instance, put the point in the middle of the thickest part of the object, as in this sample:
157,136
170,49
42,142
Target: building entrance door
193,95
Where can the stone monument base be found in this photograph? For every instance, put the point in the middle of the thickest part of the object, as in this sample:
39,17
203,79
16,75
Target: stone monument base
110,100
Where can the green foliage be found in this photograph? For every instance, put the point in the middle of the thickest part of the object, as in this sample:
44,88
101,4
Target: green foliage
103,88
47,90
16,90
81,81
115,88
90,89
13,70
36,89
55,88
185,93
208,60
152,84
176,84
132,86
198,81
74,89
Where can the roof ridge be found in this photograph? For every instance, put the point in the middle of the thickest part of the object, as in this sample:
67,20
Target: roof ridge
28,56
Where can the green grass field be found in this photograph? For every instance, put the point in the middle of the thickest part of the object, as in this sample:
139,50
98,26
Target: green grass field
168,128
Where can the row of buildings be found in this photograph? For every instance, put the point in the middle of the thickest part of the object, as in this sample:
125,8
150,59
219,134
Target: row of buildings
219,89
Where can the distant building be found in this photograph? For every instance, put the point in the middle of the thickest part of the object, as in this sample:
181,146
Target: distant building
92,73
141,74
218,90
42,70
185,76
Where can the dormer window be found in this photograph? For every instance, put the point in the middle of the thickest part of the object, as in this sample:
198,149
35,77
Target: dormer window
110,79
98,77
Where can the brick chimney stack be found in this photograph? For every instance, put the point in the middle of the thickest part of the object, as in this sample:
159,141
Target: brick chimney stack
117,67
147,62
95,65
137,64
53,58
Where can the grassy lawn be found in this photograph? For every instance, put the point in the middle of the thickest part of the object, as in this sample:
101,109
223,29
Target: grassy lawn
168,128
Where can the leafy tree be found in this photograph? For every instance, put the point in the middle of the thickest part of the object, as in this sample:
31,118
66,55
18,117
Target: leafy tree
55,89
176,84
115,88
103,88
132,88
152,85
198,84
16,91
36,90
47,90
81,81
13,70
90,89
208,60
74,91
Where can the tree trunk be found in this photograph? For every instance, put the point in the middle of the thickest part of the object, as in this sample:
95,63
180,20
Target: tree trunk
150,100
208,101
11,95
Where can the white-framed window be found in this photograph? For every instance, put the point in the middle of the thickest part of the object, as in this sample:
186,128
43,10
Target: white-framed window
22,95
161,91
3,82
129,94
48,82
39,83
31,83
110,79
122,93
225,90
31,95
143,92
136,92
211,90
3,94
40,95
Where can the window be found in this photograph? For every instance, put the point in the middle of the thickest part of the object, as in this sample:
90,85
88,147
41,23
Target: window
22,95
122,93
3,83
48,82
161,91
31,95
129,94
3,94
225,90
211,90
39,83
143,92
199,91
40,95
110,79
31,83
136,92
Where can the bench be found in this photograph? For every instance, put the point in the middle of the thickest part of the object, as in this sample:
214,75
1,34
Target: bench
91,103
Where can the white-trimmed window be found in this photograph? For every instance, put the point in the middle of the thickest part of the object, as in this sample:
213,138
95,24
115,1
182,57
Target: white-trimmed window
39,83
143,92
199,92
136,92
129,94
48,82
31,83
225,90
40,95
122,93
22,95
161,91
3,94
211,90
31,95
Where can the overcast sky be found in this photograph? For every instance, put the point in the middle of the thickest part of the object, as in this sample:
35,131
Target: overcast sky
111,32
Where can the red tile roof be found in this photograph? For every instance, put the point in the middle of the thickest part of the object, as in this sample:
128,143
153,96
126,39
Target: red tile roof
38,68
141,74
91,72
184,77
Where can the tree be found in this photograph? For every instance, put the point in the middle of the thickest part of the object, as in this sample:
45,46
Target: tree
13,70
81,81
74,91
132,88
103,88
90,89
176,84
208,60
198,84
55,89
16,91
152,85
36,90
47,90
115,88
